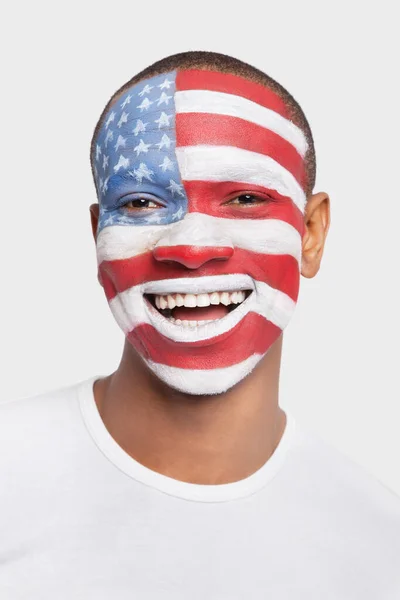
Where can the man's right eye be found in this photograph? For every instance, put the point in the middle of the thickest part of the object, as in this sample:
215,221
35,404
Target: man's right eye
138,203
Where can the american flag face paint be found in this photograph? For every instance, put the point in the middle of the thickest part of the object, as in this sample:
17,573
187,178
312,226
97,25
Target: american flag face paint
200,178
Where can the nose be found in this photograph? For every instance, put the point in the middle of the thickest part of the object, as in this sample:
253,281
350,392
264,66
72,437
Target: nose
192,257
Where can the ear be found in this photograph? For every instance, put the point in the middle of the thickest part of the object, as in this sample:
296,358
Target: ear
94,218
316,221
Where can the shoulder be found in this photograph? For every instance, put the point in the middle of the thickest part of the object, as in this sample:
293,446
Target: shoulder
38,423
43,447
343,510
356,500
30,414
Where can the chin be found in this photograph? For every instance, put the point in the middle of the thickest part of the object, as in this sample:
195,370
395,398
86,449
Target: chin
198,382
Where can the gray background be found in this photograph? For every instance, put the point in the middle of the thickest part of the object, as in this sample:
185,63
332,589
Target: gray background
62,61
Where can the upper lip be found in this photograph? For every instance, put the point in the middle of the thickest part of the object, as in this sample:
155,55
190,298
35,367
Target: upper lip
199,285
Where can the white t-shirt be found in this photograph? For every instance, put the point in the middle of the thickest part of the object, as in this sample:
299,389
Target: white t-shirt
80,519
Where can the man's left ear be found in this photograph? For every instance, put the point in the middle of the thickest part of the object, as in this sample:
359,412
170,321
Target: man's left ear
316,220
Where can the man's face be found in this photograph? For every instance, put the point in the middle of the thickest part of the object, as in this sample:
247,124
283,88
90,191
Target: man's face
200,178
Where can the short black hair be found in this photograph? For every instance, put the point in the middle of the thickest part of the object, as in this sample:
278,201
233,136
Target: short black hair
214,61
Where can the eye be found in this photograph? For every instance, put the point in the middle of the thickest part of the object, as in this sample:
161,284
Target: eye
246,199
140,203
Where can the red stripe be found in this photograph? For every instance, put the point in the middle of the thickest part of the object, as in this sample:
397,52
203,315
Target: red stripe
219,352
220,130
196,79
210,197
279,271
191,256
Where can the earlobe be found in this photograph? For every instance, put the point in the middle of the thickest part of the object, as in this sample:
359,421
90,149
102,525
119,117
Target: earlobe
94,218
316,222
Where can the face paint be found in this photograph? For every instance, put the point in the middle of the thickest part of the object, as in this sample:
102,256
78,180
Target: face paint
200,178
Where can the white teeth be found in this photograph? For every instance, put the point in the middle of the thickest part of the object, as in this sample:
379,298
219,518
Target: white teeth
214,298
171,302
163,302
178,299
203,300
224,298
191,324
238,297
191,300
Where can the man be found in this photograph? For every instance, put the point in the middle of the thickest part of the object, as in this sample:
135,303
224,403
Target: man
179,475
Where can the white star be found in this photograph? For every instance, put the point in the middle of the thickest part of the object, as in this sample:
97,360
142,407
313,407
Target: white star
110,119
177,215
105,185
166,84
126,101
122,163
167,164
141,147
146,89
109,220
175,188
163,99
154,217
100,183
105,161
98,151
123,119
139,127
121,142
144,105
163,120
124,219
142,171
165,142
109,137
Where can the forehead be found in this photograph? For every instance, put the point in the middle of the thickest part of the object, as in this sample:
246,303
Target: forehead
197,125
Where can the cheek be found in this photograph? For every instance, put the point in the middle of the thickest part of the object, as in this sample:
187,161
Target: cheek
124,256
107,276
282,273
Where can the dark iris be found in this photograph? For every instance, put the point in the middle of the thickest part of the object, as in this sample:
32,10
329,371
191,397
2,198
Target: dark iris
142,202
247,197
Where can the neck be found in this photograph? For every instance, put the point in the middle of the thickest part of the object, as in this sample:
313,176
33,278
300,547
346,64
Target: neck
198,439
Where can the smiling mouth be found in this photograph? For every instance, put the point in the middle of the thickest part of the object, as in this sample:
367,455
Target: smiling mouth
190,310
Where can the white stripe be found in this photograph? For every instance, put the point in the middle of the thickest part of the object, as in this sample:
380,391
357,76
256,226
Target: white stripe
228,163
204,381
130,309
265,236
205,284
205,101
